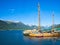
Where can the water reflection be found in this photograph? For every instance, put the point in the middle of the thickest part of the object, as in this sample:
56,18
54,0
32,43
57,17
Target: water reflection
43,40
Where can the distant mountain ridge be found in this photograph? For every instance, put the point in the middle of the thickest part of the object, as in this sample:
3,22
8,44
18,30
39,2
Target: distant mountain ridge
14,25
9,25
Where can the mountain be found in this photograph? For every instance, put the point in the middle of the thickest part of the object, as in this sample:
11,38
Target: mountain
10,25
6,25
57,26
3,25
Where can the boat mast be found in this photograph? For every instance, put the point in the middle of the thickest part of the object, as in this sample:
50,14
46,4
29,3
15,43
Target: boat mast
38,16
53,22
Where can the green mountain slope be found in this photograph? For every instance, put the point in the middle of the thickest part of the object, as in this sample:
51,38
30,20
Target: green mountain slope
13,25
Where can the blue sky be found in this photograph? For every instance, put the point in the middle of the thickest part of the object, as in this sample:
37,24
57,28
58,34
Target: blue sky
26,11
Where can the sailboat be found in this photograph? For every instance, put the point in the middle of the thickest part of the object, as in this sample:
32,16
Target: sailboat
38,33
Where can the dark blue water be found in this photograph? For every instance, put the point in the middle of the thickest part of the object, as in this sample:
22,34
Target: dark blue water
17,38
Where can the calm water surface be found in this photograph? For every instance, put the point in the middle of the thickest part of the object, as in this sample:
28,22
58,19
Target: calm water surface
17,38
